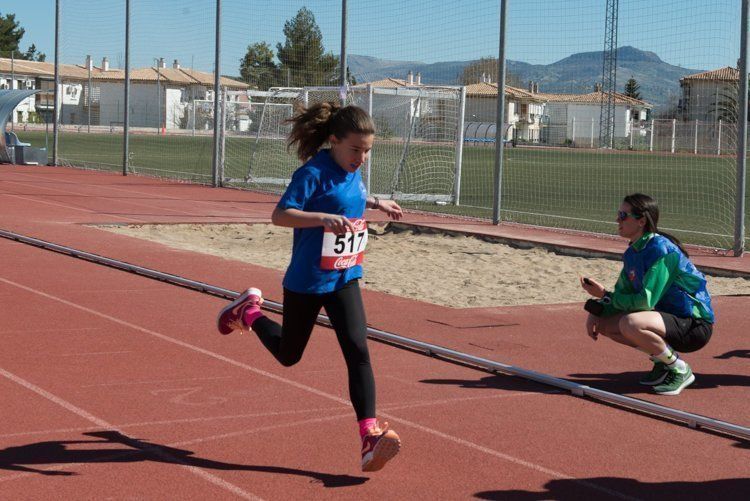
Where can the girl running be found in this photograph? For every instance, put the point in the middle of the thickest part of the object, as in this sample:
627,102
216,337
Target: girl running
660,304
325,204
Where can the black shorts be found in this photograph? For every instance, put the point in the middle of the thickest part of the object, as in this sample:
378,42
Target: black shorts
686,334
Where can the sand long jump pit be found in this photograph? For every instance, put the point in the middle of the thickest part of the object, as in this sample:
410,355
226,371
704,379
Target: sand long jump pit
446,269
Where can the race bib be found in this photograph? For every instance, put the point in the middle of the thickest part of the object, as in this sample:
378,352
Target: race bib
344,251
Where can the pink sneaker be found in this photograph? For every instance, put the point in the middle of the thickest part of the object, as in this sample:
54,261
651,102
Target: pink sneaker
230,317
378,447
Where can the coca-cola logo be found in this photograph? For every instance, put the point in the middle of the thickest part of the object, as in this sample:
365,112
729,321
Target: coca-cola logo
343,263
359,225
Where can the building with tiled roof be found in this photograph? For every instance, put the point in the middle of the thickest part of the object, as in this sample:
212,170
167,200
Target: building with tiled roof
574,118
704,95
726,74
524,110
595,97
160,96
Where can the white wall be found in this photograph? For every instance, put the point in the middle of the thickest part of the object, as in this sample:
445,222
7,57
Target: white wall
174,107
584,113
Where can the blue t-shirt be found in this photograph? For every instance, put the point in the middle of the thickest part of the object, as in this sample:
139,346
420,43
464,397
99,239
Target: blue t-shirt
320,185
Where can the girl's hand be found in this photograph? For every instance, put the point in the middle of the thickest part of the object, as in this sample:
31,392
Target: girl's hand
593,287
337,224
391,208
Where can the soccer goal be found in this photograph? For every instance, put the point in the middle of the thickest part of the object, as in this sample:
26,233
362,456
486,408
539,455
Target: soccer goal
417,152
264,162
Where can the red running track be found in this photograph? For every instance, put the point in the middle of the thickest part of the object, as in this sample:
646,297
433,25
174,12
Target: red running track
116,385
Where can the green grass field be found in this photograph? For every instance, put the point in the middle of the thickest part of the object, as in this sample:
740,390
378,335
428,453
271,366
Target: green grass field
565,188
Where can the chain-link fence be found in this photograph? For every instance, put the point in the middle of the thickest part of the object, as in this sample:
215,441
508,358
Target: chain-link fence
428,73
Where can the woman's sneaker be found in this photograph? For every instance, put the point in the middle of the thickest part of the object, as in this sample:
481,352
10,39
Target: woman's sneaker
657,375
378,447
230,317
675,382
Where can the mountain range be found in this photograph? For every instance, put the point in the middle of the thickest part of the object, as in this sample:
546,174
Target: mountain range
576,74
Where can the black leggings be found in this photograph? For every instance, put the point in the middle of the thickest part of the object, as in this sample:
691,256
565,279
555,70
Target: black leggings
347,313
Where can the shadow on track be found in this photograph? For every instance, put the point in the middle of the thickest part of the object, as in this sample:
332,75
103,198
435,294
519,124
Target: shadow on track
21,458
626,488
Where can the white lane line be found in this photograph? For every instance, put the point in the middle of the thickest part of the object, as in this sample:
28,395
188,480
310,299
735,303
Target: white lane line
507,457
315,391
157,381
93,353
214,204
90,195
168,422
233,434
217,481
449,401
94,195
72,207
50,331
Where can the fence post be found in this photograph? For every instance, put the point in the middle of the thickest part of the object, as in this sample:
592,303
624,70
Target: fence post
632,125
592,133
499,133
573,134
739,220
126,113
695,147
223,133
674,127
57,105
718,142
217,81
651,139
459,147
369,157
344,82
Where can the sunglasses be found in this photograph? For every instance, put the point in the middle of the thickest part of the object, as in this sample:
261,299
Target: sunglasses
622,215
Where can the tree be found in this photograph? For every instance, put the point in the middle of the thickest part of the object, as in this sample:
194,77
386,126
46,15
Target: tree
488,66
258,67
10,40
302,56
632,88
31,54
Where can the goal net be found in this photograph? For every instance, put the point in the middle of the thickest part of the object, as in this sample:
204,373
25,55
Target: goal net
417,152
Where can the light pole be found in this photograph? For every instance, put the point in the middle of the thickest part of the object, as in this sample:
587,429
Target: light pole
158,94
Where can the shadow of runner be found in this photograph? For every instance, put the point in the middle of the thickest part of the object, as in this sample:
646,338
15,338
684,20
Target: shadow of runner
734,353
24,457
627,488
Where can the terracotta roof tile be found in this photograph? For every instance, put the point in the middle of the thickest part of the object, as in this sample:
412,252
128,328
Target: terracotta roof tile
726,74
484,89
592,98
78,72
388,83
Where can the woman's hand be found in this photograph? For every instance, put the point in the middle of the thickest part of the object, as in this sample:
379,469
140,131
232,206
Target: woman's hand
593,287
337,224
391,208
591,327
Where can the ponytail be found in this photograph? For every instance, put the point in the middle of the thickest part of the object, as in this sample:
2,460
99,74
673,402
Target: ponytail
312,127
645,206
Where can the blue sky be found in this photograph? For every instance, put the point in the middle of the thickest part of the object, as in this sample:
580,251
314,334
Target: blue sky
697,34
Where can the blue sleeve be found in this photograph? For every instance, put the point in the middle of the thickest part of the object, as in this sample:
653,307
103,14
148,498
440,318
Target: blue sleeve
305,181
